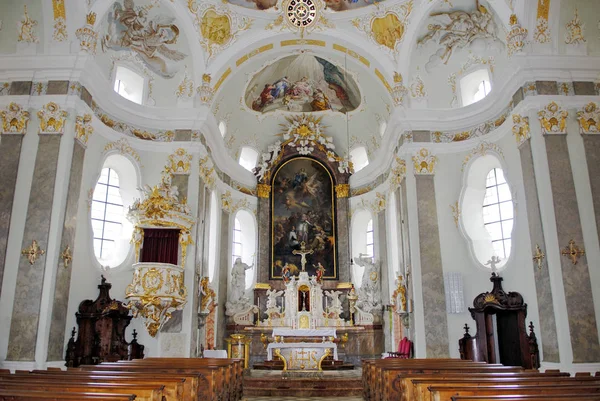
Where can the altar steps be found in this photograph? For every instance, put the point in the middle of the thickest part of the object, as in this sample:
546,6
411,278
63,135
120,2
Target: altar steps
327,365
333,384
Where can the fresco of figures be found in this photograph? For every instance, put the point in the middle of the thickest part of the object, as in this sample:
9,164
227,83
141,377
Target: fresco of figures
302,83
335,5
302,212
131,28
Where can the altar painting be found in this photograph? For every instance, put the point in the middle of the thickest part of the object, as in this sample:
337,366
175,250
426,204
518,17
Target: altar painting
302,211
302,83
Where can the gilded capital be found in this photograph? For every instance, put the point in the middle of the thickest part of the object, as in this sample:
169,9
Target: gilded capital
521,128
342,190
589,119
14,119
264,190
52,119
553,119
424,162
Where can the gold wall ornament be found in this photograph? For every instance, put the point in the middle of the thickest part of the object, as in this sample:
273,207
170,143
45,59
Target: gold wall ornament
263,191
538,257
377,205
33,252
230,205
553,119
399,301
207,171
88,38
542,29
575,29
516,37
342,190
417,88
386,26
589,119
52,119
60,23
397,174
179,162
482,149
14,119
218,27
473,60
573,252
186,86
455,212
398,90
124,148
209,297
26,28
424,162
83,128
156,291
137,238
205,91
66,256
520,128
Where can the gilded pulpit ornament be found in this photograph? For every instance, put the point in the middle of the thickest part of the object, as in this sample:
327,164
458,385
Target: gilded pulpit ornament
66,256
573,251
553,119
52,119
33,252
88,38
539,256
14,119
342,190
521,128
263,191
589,118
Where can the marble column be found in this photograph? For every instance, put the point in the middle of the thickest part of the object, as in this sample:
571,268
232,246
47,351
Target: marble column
224,269
30,277
576,277
198,269
264,231
56,351
10,152
343,239
432,274
547,328
591,143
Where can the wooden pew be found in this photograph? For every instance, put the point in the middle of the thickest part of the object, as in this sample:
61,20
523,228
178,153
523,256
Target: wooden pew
542,397
142,392
37,395
439,393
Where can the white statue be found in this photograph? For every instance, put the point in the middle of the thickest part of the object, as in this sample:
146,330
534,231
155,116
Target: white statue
369,297
238,280
272,296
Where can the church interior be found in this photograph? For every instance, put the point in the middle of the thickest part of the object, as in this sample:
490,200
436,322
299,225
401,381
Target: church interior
328,195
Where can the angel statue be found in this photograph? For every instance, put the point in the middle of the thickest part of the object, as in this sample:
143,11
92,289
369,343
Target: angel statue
129,29
369,297
272,296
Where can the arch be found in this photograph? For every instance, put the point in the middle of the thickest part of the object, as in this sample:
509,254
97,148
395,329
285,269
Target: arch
248,234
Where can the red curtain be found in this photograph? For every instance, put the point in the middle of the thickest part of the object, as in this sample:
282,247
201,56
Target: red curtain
160,246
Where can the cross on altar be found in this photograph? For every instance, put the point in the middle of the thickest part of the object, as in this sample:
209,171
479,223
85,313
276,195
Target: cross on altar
303,252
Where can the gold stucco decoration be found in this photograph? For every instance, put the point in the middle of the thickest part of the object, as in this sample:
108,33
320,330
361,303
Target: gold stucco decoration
302,17
542,30
481,150
60,21
263,191
14,119
589,119
424,162
66,256
553,119
398,90
83,128
124,148
573,252
88,38
209,297
342,190
455,212
26,28
575,31
230,205
397,174
520,128
52,119
538,257
207,171
33,252
516,37
179,162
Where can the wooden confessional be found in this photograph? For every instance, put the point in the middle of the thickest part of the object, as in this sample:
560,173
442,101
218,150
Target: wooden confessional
501,332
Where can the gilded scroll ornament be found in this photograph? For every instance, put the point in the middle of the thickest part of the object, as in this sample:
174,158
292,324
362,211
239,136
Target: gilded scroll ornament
424,162
207,171
538,257
205,91
398,90
573,252
26,28
342,190
397,174
88,38
209,297
589,119
263,191
66,256
60,25
14,119
185,87
83,128
553,119
124,148
542,30
455,213
179,162
33,252
521,128
575,29
481,150
516,37
417,88
230,205
52,119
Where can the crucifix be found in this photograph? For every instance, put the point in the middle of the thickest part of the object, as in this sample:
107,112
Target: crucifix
573,251
303,252
539,256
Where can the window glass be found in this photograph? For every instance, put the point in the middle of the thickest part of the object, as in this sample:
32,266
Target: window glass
129,84
107,214
498,212
370,241
475,86
359,158
248,158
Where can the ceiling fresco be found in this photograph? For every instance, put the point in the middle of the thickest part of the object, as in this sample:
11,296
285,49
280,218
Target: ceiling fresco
335,5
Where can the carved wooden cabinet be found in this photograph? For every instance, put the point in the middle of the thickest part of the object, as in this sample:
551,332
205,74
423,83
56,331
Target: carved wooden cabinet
101,336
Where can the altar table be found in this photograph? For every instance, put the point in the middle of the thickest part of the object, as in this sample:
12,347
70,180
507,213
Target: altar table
285,332
299,346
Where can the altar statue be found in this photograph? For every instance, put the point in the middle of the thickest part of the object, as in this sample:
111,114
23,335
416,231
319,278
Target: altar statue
369,296
238,280
272,296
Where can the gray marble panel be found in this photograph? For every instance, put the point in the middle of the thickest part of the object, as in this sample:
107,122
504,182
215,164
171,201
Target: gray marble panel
264,253
592,154
518,97
546,87
543,289
193,292
181,182
343,240
56,351
432,274
20,88
57,88
576,278
184,135
224,268
86,96
175,324
10,152
584,88
421,136
26,309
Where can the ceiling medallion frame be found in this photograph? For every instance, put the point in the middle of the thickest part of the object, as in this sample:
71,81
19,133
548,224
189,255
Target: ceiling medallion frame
302,15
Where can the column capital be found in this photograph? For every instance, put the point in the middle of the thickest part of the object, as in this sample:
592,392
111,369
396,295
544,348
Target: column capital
589,119
424,162
14,119
553,119
521,128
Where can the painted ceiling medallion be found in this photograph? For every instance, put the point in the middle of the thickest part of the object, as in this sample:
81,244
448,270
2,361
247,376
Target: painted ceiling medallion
301,13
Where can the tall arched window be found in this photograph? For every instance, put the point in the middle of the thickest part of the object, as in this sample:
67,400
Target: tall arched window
498,212
114,192
370,239
363,241
244,242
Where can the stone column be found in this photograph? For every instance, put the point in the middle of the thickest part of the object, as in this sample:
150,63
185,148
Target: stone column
30,276
10,152
223,274
540,266
342,206
591,143
56,351
264,229
198,269
432,274
576,277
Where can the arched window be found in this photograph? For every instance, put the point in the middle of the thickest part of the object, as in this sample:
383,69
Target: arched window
382,128
213,236
487,211
248,158
370,239
363,241
475,86
222,128
244,242
359,158
129,84
114,192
